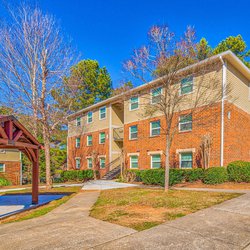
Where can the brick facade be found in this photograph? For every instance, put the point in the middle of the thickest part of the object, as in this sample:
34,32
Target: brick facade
12,172
85,151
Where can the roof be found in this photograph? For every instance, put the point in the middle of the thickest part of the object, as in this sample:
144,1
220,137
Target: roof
227,55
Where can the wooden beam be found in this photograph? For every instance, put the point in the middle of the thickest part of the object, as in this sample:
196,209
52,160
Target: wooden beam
35,177
2,133
18,144
9,129
17,135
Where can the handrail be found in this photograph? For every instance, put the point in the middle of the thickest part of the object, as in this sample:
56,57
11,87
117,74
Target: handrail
113,162
118,133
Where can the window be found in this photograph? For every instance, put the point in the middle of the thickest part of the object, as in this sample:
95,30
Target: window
90,117
2,168
102,162
133,132
89,162
134,103
102,138
102,113
185,123
155,128
78,121
89,140
134,161
78,163
156,161
78,142
186,160
186,85
156,95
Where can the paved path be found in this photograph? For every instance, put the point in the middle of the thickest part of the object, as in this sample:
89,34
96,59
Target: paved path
224,226
103,185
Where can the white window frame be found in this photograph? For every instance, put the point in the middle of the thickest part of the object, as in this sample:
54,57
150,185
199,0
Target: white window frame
90,112
151,160
88,160
151,135
78,121
151,92
102,158
78,159
192,87
3,168
186,130
186,152
88,140
100,113
78,146
100,138
130,161
133,133
130,103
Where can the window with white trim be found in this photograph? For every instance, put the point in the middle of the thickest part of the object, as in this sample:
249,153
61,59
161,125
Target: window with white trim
186,160
2,167
134,103
155,128
102,162
78,121
102,113
156,95
185,122
89,163
89,140
89,117
133,132
78,163
102,138
134,161
156,161
78,142
186,85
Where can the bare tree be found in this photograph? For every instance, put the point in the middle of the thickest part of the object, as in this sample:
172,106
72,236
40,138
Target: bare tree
166,59
205,150
34,59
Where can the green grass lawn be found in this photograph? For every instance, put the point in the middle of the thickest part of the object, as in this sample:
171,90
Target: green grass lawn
141,208
44,209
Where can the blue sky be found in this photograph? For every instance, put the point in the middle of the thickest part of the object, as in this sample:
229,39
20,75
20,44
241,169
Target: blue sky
108,30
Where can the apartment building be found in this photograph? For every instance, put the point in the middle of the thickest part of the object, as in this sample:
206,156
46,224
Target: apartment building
98,134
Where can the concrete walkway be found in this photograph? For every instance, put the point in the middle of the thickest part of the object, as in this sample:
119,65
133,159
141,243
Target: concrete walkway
104,185
224,226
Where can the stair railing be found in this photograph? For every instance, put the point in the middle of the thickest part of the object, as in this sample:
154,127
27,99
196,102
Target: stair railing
109,165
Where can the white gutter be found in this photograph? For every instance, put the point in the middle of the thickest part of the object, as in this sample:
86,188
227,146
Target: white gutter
224,82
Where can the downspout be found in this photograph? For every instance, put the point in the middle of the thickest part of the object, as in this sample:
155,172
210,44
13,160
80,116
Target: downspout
224,81
110,134
21,170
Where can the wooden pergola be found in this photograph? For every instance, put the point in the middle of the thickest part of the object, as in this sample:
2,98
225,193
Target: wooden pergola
14,135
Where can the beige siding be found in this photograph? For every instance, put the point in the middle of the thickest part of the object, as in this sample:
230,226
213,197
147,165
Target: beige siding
96,124
239,94
9,155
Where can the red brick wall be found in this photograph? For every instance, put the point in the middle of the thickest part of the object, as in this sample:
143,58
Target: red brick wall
12,172
84,150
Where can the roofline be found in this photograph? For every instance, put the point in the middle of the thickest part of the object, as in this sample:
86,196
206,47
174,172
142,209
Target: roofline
114,98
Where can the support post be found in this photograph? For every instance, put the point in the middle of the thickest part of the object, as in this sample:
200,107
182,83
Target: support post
35,176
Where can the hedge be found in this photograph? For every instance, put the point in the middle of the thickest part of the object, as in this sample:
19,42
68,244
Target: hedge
4,182
215,175
239,171
77,175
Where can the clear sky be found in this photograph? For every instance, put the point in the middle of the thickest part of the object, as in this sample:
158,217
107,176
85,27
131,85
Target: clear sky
108,30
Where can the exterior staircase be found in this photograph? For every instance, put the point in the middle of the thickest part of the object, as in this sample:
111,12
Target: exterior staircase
112,173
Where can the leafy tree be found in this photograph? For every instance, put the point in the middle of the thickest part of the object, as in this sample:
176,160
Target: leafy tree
237,45
122,88
87,84
203,49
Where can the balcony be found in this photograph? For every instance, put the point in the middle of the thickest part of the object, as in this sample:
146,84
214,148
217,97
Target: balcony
118,134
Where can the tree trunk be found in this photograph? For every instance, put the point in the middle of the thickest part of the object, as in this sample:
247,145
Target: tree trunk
47,156
167,163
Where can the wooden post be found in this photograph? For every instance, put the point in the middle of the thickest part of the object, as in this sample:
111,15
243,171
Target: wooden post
35,177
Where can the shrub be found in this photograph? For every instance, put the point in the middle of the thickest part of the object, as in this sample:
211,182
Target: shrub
77,175
176,176
4,182
239,171
195,174
215,175
153,177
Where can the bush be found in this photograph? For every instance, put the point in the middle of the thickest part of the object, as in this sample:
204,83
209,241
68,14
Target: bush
215,175
176,176
239,171
4,182
153,177
77,175
195,174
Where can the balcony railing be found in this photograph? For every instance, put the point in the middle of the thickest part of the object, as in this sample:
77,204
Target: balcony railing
118,134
